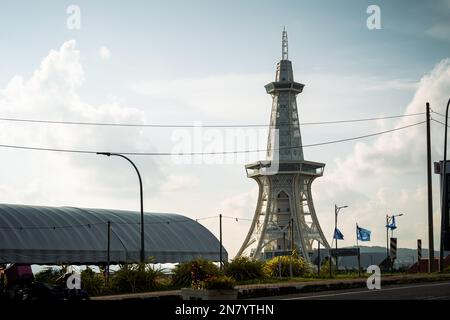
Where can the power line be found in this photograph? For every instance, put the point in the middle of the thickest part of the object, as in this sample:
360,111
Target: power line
237,218
439,114
439,122
106,124
89,225
209,153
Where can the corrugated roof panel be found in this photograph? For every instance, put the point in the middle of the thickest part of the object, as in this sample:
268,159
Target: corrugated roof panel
50,235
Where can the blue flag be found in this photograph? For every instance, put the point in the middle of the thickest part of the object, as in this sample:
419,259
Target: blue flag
338,234
362,234
392,225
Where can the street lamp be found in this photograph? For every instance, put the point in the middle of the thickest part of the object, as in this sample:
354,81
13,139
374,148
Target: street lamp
388,220
142,254
336,211
444,201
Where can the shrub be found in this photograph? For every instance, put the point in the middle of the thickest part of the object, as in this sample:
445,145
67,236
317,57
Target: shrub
135,278
49,275
244,268
92,282
218,283
193,272
299,266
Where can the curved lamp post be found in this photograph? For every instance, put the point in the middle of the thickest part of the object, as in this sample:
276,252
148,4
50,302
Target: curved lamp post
444,194
142,254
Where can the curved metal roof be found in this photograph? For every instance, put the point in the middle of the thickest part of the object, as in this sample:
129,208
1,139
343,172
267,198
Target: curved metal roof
54,235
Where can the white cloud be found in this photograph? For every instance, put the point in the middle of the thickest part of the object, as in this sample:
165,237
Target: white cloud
179,182
52,92
104,53
388,175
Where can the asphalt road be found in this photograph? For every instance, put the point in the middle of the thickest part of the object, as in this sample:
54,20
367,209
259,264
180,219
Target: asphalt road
418,291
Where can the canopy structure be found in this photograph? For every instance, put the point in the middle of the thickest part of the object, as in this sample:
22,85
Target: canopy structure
57,235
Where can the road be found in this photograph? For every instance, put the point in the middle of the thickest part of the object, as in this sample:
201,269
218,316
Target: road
421,291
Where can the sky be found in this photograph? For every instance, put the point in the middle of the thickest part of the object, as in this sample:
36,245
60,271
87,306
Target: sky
206,62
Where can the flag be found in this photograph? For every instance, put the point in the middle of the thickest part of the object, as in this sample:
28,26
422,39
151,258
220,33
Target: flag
392,225
338,234
362,234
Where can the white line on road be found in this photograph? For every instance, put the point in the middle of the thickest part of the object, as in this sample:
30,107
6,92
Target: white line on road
369,291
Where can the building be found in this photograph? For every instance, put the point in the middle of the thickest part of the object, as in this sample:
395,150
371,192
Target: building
284,218
68,235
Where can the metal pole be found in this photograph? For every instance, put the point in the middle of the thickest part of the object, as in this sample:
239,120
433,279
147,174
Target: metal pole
318,258
291,224
335,227
359,262
108,253
430,195
387,238
357,247
141,193
444,202
220,232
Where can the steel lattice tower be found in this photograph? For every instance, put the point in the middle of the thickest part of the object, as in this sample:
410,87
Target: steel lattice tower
285,208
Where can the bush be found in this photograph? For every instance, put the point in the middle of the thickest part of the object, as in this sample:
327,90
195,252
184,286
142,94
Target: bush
135,278
193,272
218,283
244,268
49,275
299,266
93,283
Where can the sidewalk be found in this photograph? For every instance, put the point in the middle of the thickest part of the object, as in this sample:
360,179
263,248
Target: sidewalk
282,288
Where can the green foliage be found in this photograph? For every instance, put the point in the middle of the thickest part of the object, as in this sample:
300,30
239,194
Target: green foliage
49,275
193,272
300,267
325,268
92,282
244,268
135,278
218,283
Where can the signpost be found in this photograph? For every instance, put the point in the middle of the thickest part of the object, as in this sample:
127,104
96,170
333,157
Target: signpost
419,250
393,252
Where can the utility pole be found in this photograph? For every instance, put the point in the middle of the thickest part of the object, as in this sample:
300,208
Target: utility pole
430,195
220,232
108,253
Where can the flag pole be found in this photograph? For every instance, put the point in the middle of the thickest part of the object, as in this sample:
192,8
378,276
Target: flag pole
357,243
359,253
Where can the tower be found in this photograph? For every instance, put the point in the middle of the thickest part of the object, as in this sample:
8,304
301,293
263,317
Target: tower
284,218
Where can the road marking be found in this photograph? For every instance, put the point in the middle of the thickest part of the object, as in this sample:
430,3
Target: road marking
368,291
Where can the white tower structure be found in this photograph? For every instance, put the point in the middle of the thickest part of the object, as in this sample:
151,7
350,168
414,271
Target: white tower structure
284,218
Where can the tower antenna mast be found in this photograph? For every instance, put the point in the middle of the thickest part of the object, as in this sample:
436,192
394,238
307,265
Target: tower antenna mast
284,46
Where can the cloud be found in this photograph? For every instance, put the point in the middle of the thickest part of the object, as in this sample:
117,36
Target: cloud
179,182
52,92
104,53
388,175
